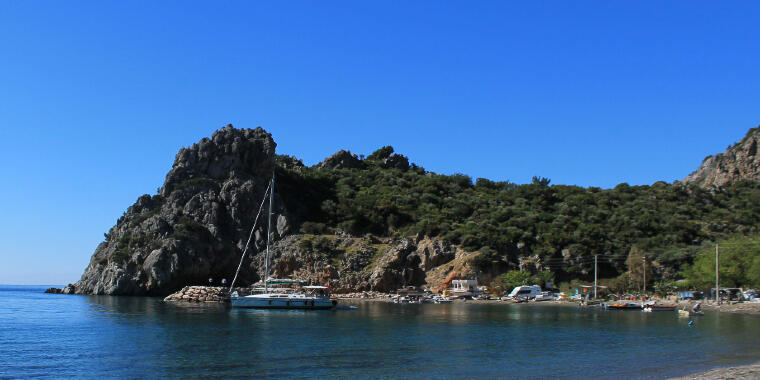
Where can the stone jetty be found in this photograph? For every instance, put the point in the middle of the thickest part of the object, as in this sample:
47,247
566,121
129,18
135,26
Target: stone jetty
204,294
200,293
363,295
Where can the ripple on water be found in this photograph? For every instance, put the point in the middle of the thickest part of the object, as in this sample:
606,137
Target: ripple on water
60,336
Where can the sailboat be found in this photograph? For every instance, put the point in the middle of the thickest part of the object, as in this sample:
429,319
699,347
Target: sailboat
280,293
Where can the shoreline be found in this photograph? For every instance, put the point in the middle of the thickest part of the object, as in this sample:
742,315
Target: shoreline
202,293
751,308
747,371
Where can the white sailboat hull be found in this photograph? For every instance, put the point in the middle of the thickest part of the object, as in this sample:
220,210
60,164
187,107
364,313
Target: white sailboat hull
292,301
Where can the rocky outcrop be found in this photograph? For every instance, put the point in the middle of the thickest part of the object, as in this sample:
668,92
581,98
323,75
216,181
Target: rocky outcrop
290,163
398,266
738,162
396,161
341,160
68,289
435,252
196,226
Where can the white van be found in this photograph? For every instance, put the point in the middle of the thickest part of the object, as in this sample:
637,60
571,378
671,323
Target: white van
525,292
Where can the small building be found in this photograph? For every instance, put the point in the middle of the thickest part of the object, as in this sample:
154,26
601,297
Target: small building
410,291
462,289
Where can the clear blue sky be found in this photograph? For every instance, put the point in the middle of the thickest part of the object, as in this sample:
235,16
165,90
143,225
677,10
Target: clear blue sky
97,97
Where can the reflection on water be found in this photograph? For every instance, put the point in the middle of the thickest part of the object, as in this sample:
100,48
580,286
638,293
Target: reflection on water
102,336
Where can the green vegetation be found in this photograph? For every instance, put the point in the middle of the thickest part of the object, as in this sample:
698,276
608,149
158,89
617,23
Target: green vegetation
145,215
197,182
512,279
322,246
127,243
739,264
188,229
667,223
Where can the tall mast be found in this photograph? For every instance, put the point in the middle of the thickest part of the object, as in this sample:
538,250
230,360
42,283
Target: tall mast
269,232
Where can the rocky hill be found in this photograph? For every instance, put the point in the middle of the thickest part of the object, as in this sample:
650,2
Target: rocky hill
738,162
381,222
197,225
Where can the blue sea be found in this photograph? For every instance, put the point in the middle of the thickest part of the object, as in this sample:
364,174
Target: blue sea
66,336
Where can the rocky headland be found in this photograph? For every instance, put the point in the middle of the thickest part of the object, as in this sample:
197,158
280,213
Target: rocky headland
379,223
740,161
197,225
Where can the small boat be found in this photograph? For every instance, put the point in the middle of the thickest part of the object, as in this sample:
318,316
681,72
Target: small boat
544,296
657,307
621,305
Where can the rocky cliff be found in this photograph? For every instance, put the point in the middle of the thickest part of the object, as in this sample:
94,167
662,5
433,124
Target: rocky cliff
197,226
738,162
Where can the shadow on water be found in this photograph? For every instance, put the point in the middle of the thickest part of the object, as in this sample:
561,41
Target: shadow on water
103,336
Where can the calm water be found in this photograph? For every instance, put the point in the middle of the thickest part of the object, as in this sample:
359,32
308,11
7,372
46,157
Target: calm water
63,336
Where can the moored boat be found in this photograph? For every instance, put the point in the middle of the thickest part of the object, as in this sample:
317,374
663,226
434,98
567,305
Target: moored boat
648,307
291,294
623,305
310,297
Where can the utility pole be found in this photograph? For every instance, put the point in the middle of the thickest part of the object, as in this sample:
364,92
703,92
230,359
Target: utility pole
645,274
595,276
717,289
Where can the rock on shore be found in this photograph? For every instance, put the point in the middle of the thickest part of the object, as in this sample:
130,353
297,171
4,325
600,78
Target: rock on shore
202,294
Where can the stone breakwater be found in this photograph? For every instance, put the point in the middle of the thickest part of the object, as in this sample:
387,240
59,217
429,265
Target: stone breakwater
222,294
363,295
203,294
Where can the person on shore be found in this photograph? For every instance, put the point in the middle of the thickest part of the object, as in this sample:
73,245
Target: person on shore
210,281
697,308
224,282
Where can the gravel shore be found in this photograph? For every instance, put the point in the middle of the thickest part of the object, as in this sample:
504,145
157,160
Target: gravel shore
751,371
743,308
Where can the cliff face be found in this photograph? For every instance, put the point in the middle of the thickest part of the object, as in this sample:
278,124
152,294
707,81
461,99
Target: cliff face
738,162
351,263
197,225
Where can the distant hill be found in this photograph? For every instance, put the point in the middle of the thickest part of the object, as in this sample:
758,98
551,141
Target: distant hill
740,161
381,222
